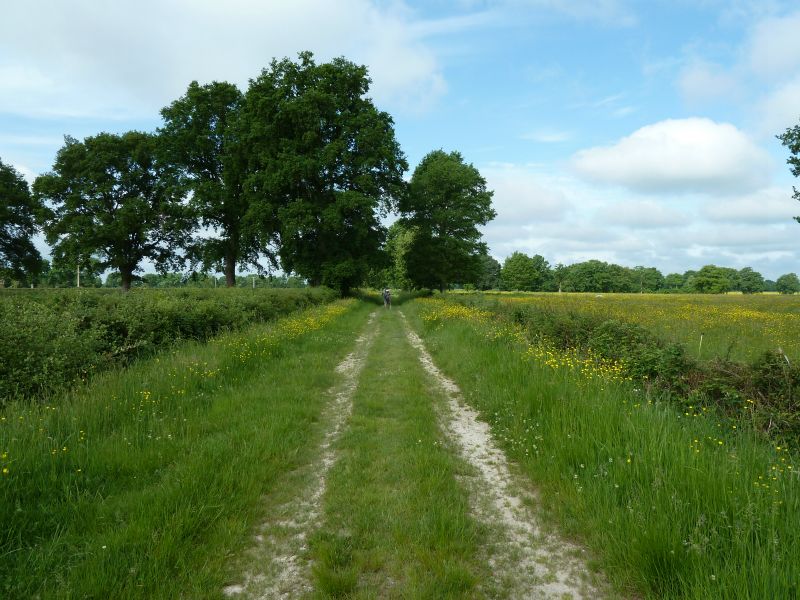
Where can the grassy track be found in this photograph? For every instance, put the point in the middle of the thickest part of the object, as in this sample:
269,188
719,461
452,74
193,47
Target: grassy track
672,507
151,481
397,521
143,484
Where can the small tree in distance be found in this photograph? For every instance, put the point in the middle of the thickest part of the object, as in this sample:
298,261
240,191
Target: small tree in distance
788,284
446,201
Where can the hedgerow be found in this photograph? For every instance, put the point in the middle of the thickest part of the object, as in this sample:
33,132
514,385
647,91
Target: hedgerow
50,339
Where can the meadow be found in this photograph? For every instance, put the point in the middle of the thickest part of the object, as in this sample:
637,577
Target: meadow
139,484
732,326
734,355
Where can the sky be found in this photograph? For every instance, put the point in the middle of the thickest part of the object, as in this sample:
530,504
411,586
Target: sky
640,132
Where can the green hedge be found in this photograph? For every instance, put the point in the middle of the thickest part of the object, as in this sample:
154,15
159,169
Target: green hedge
52,338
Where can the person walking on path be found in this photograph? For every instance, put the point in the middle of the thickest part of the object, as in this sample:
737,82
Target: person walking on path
387,298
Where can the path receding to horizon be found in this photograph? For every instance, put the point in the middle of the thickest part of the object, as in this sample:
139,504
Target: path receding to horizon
406,496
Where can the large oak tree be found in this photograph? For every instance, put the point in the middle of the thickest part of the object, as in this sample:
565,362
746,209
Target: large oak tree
199,137
110,198
323,165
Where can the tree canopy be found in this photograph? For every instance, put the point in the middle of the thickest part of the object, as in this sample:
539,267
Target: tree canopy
524,273
446,201
323,165
110,198
18,213
788,284
199,139
490,271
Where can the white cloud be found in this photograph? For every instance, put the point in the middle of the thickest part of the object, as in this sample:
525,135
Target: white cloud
763,78
774,47
780,108
609,12
772,205
547,136
642,214
75,58
674,156
701,82
521,197
614,13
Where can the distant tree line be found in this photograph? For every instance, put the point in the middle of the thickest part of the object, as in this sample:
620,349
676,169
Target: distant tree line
296,173
520,272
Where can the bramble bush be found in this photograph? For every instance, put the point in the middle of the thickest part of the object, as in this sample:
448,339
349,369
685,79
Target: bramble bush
50,339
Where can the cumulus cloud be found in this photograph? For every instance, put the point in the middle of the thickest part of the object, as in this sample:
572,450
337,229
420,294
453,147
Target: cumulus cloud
780,108
768,60
772,205
676,156
75,58
520,196
642,214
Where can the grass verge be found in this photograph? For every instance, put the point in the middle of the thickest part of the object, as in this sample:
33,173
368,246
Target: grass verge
146,482
672,507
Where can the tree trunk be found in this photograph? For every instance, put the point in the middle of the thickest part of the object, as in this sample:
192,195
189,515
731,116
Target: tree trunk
230,269
127,277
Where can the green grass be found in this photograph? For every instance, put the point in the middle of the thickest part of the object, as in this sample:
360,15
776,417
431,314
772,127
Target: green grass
734,326
145,483
397,521
672,507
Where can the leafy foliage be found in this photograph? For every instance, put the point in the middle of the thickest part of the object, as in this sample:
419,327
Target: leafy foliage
788,284
446,202
323,164
490,274
791,139
50,338
199,138
112,198
18,211
525,273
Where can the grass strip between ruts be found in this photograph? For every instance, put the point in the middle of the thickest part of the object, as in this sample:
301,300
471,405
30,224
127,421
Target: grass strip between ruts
397,522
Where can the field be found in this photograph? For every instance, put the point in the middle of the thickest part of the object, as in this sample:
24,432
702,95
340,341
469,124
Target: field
739,327
461,446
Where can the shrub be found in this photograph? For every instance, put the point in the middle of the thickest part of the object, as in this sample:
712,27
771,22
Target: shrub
51,338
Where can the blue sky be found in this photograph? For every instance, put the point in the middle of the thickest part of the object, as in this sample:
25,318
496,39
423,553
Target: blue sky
638,132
